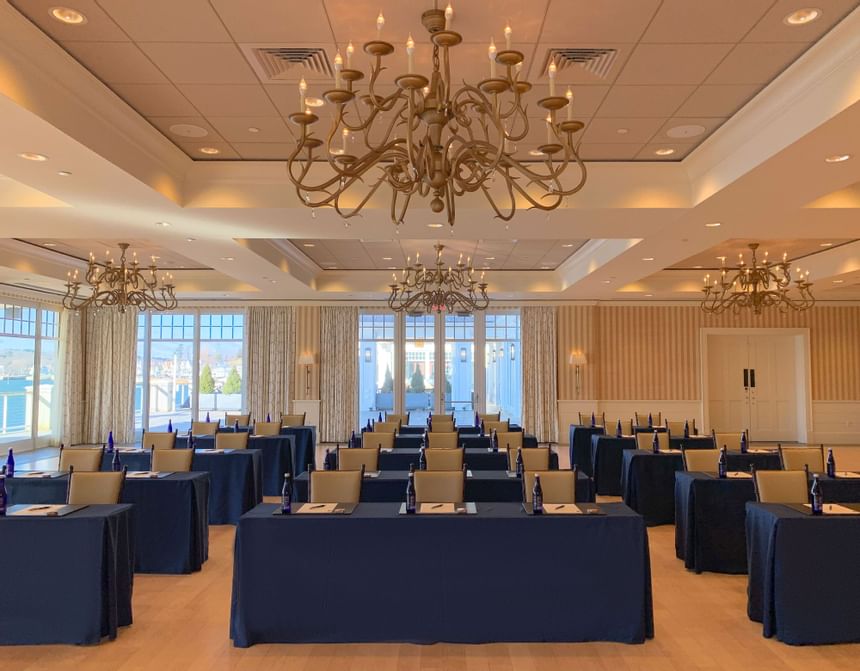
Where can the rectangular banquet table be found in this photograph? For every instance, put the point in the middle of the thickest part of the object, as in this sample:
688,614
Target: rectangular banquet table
588,577
692,443
419,429
478,459
710,514
804,585
648,479
66,579
277,457
484,486
579,445
171,518
235,479
306,444
478,441
606,461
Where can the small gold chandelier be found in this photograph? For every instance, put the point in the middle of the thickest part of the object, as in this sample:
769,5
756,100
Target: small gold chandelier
429,139
120,285
757,286
423,290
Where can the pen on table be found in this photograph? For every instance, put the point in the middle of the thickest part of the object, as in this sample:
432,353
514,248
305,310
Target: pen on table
438,505
319,505
40,507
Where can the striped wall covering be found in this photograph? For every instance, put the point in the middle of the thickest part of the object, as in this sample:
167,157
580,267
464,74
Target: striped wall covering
652,352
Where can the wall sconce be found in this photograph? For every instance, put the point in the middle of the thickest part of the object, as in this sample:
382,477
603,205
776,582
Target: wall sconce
578,359
307,360
463,354
513,352
367,355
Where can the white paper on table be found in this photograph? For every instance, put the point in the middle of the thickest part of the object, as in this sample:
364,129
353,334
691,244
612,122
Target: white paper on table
317,508
372,474
847,474
128,450
561,509
142,474
835,509
435,508
40,510
34,474
741,475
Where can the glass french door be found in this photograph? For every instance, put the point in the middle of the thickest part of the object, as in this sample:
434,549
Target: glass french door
419,369
457,395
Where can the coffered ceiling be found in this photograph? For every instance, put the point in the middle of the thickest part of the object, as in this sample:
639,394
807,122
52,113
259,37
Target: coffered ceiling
679,68
795,251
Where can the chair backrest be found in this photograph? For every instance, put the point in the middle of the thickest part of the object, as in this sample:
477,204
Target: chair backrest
160,440
293,420
356,458
585,420
443,459
230,419
499,427
510,439
335,486
400,419
442,425
534,458
175,461
490,416
731,440
382,441
557,486
781,486
642,418
81,458
676,429
92,488
439,486
231,441
701,460
267,428
386,427
645,440
205,428
626,426
800,458
847,458
447,440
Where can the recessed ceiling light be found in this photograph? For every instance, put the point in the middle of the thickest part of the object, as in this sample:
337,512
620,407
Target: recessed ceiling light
227,258
648,295
826,244
308,244
697,267
607,281
647,258
489,258
546,268
721,258
713,224
314,102
838,281
664,151
434,225
273,281
803,16
386,258
190,239
64,173
155,258
536,152
31,156
392,267
837,158
163,224
67,15
50,244
622,131
253,129
569,244
211,151
188,130
685,131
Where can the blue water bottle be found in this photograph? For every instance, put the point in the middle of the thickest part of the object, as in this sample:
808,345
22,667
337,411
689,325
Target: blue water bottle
110,444
10,464
169,426
286,496
236,426
207,415
410,491
477,420
268,417
327,460
495,441
422,459
686,429
519,463
116,464
723,463
650,421
817,496
352,439
380,417
593,420
537,496
618,430
655,443
744,445
831,463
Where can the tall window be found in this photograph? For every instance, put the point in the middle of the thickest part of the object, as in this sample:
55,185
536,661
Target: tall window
503,369
171,370
28,372
419,374
376,367
460,367
139,373
221,371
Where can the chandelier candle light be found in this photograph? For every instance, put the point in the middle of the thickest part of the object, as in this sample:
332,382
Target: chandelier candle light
422,290
430,139
120,285
757,285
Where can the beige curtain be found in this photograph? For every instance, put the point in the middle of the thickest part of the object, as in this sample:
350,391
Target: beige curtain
271,340
338,373
71,383
109,346
540,412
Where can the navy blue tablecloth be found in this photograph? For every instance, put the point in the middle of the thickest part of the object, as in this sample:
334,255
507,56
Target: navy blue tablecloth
171,516
692,443
804,586
483,486
579,445
648,479
480,459
306,445
606,454
66,579
590,580
478,442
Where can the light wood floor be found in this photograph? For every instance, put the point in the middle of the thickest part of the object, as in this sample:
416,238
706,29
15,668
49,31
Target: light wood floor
181,622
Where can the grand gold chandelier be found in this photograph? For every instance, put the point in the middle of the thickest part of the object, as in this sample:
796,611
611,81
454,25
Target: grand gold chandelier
120,285
756,286
423,290
430,139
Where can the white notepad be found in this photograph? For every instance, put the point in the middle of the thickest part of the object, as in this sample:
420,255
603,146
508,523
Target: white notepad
847,474
312,508
42,510
739,475
835,509
435,508
561,509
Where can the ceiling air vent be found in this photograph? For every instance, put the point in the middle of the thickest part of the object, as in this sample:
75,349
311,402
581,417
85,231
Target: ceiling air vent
595,61
278,63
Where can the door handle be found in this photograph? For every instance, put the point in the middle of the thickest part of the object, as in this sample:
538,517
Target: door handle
746,377
752,378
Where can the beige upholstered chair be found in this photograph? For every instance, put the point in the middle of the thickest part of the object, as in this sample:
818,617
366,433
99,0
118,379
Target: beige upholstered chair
386,427
645,440
490,416
642,418
439,486
585,418
701,460
509,439
443,460
800,458
293,420
676,429
534,458
204,428
440,440
160,440
267,428
557,486
230,419
847,458
335,486
81,458
380,441
90,488
781,487
499,427
356,458
174,461
626,427
231,441
400,419
731,441
442,424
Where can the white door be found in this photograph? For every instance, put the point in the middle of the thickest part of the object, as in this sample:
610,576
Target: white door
728,402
